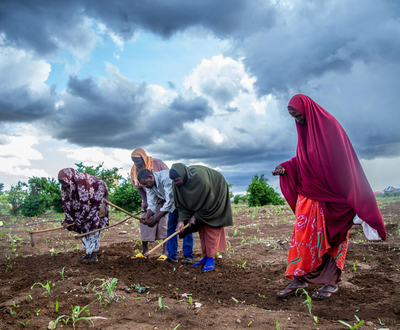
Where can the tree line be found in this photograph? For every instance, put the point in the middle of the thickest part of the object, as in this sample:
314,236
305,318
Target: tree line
41,194
38,195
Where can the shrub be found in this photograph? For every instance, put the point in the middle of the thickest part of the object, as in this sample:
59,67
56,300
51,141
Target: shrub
126,196
261,193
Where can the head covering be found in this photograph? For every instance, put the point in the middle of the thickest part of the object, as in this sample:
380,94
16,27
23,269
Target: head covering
148,163
326,168
204,194
173,174
67,175
82,200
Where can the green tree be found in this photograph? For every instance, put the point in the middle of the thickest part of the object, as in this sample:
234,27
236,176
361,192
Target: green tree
43,193
110,177
125,196
15,196
1,188
261,193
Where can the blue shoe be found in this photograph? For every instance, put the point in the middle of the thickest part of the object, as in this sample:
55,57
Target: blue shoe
210,265
208,268
202,262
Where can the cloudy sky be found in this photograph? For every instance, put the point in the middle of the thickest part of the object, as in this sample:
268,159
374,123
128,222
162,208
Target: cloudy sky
200,82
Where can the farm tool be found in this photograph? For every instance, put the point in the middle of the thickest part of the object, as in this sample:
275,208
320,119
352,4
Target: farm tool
116,224
163,242
45,230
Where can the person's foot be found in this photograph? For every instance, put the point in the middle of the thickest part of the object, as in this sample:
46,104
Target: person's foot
162,257
325,292
202,262
173,261
292,287
210,265
139,256
93,258
85,258
187,261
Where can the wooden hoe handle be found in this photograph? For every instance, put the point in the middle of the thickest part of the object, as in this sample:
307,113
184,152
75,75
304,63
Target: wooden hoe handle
121,209
164,241
100,229
44,230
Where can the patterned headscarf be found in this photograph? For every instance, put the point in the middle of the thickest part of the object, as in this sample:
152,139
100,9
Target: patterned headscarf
82,200
148,164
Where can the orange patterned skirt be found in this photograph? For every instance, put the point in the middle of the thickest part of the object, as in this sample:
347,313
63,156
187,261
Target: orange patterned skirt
309,241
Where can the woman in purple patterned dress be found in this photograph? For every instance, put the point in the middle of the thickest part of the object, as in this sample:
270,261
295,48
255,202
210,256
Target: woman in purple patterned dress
82,196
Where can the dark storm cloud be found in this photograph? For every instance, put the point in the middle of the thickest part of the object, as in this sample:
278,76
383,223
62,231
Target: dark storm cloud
19,105
45,26
119,113
48,26
343,54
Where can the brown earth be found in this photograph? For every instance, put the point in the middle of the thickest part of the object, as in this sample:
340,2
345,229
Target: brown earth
240,293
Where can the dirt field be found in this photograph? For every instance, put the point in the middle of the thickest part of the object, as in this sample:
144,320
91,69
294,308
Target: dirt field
240,293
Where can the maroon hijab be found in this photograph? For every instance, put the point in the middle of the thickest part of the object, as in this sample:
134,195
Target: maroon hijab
326,169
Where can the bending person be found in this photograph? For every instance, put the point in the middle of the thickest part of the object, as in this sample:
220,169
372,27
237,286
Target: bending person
82,197
159,188
147,233
202,198
326,188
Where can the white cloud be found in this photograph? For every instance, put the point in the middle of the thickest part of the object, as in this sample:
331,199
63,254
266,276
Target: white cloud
16,154
118,158
19,68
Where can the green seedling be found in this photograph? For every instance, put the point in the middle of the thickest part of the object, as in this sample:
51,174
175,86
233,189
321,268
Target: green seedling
277,325
37,312
308,302
177,327
62,273
359,324
190,301
161,306
46,286
14,304
109,294
12,312
24,324
235,300
243,266
75,317
57,306
9,266
250,323
354,268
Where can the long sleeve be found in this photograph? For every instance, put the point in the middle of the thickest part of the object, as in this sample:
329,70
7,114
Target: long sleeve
151,200
169,195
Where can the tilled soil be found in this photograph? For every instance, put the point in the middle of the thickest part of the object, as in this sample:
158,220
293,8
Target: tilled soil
240,293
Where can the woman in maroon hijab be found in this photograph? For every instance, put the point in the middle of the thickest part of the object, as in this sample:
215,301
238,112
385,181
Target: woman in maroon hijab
326,188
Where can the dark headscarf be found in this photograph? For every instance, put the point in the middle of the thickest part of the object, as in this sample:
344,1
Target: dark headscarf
326,169
205,194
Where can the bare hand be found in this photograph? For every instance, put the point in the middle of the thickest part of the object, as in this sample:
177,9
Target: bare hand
152,222
279,170
179,227
192,221
144,207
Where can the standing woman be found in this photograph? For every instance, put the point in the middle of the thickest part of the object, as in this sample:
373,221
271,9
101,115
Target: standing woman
326,187
82,197
202,198
159,231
